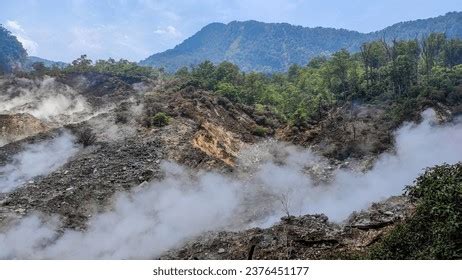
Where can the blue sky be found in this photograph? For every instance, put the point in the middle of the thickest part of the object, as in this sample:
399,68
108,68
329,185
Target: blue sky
135,29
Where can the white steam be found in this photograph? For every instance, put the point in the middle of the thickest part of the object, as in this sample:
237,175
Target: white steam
144,223
46,100
162,215
36,160
109,130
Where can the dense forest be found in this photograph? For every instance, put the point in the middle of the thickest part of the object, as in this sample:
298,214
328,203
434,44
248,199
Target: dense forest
402,73
273,47
403,76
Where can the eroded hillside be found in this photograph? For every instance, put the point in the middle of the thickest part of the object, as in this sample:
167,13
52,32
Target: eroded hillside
160,172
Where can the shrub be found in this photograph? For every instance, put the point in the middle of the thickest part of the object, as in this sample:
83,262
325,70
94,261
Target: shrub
160,119
259,108
435,229
121,117
260,131
86,137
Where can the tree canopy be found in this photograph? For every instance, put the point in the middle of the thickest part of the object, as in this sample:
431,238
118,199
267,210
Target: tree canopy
12,53
401,72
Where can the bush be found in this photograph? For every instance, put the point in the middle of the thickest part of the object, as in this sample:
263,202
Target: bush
260,131
121,117
160,119
435,229
259,109
86,137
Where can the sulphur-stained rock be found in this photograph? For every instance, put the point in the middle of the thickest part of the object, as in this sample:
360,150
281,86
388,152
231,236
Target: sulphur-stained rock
218,143
18,126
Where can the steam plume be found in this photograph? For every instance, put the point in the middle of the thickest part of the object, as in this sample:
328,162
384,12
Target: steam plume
45,99
36,160
146,222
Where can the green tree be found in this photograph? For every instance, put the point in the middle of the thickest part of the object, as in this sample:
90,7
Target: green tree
204,76
12,53
294,72
228,73
432,47
374,56
453,52
81,64
404,65
229,91
337,72
435,229
253,88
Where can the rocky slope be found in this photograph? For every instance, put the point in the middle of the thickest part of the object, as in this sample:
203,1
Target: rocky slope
303,237
205,132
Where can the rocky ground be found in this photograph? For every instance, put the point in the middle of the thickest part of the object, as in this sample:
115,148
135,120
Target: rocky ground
303,237
206,132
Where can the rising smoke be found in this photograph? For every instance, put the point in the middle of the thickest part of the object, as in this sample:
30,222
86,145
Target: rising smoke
47,100
153,218
36,160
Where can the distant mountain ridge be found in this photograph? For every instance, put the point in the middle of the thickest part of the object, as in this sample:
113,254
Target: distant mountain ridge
269,47
13,56
30,60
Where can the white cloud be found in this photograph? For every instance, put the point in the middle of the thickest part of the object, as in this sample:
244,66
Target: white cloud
30,45
169,30
14,26
16,29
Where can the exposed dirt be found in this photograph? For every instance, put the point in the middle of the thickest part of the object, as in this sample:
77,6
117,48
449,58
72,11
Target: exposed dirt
348,131
127,154
217,143
18,126
206,132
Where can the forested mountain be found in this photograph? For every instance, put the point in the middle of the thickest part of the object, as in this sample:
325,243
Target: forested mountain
269,47
12,53
30,60
450,24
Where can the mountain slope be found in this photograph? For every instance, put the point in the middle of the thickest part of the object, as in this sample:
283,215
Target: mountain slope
47,63
12,53
450,24
271,47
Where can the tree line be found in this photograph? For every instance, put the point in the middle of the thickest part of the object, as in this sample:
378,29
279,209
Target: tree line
127,70
399,73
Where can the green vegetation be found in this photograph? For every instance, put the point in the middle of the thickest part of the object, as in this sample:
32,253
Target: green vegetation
160,119
402,75
273,47
125,69
33,60
260,131
435,230
12,53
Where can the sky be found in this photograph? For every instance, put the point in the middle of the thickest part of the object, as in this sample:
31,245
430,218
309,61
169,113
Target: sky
62,30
